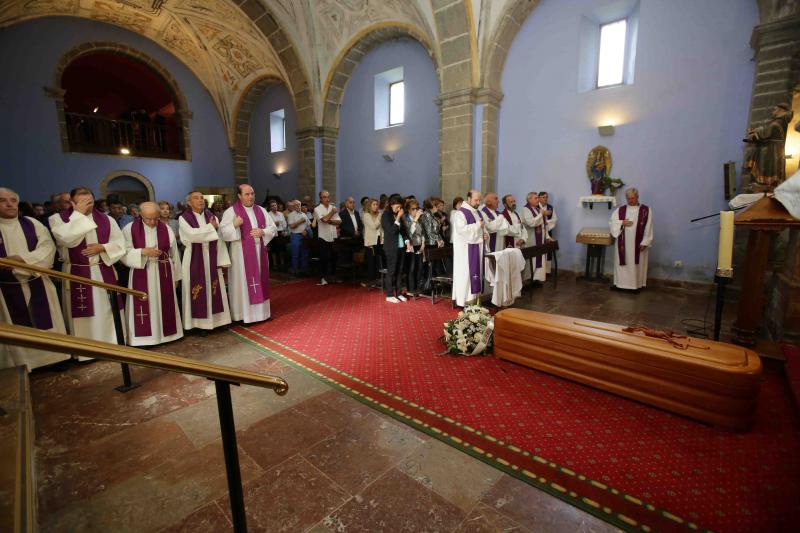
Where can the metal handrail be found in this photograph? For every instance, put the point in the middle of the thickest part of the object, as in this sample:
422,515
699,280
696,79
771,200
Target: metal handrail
58,342
19,265
222,376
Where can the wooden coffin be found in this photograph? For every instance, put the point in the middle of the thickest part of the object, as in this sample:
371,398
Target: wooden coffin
709,381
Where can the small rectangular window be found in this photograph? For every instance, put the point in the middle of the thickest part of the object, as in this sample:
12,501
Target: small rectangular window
611,61
277,131
396,103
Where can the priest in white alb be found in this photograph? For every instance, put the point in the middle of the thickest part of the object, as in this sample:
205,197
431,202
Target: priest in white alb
632,226
516,233
248,228
494,224
533,218
152,256
205,301
467,236
89,243
26,299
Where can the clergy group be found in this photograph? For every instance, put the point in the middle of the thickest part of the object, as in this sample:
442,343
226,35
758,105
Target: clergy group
220,272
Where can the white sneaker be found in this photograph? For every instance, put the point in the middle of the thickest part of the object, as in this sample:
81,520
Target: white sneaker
392,300
402,298
323,282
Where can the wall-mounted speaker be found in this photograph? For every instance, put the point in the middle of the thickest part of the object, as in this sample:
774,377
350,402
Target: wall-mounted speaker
729,179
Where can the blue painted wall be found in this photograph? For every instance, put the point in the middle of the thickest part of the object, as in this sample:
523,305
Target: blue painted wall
30,148
263,163
676,125
361,169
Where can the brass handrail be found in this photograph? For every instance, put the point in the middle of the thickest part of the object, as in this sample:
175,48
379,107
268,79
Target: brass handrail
19,265
58,342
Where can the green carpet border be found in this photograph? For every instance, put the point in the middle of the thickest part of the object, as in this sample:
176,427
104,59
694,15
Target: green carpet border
572,498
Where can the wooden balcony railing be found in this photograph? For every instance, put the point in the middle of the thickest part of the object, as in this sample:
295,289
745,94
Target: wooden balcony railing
103,135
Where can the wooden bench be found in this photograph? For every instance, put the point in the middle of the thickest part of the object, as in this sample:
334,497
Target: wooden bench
710,381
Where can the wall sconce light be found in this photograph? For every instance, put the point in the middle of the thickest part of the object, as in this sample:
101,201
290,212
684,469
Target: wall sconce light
277,174
388,158
606,131
125,151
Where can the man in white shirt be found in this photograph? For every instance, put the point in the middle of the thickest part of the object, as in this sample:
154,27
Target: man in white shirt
298,227
326,218
277,217
248,228
26,300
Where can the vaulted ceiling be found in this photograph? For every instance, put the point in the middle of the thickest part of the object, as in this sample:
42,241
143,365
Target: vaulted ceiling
228,52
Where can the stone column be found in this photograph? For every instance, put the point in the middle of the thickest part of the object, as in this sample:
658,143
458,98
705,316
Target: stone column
776,45
307,170
455,143
490,100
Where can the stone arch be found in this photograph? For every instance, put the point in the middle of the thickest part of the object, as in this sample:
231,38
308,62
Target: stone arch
352,53
244,111
292,63
57,93
497,47
103,189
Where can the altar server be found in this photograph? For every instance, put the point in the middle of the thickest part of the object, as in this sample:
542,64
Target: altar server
632,226
152,256
27,299
89,243
248,228
205,301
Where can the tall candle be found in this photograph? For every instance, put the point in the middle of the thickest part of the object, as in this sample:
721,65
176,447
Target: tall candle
725,255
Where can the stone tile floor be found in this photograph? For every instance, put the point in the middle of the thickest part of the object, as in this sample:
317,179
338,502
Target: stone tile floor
313,460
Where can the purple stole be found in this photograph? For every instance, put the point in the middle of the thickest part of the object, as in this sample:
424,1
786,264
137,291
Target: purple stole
644,214
141,308
254,268
537,232
473,257
80,295
12,290
492,236
197,271
508,240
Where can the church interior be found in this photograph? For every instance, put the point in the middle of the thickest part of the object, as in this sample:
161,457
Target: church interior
642,374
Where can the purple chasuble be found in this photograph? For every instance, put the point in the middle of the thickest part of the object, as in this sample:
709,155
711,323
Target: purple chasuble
473,257
256,269
537,232
141,308
197,271
492,236
12,290
641,223
80,295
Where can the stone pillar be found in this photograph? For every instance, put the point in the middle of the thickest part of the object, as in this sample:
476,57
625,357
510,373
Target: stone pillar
490,100
776,45
307,168
455,143
57,94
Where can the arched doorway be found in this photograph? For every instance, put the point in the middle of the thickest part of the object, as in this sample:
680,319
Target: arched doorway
128,186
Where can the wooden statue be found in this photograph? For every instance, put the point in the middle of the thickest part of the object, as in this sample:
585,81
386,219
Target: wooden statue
764,156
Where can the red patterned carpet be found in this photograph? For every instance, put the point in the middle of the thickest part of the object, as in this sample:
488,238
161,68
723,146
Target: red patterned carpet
635,466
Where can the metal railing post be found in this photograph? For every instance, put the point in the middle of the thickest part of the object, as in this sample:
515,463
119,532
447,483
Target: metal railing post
228,430
127,383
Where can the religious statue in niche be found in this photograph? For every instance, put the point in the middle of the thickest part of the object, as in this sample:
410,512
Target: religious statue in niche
598,170
764,157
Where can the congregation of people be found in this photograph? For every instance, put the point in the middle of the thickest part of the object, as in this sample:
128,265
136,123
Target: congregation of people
204,267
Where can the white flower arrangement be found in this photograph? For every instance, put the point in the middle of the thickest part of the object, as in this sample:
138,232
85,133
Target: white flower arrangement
470,333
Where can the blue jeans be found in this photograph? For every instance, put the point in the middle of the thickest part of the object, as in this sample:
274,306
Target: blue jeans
299,253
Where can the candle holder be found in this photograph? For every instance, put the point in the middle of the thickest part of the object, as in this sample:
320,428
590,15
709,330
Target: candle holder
722,277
